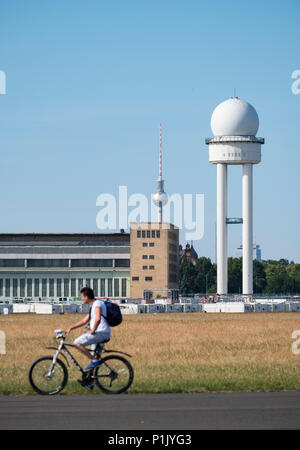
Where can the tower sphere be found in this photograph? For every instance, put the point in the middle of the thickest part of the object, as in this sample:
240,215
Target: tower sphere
234,117
160,198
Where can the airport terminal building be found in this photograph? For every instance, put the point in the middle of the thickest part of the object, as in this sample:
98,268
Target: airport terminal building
51,266
46,266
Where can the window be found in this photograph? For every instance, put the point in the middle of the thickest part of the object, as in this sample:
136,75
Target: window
135,278
15,287
151,267
151,256
7,287
91,262
80,284
47,263
88,282
73,287
12,262
29,287
109,287
151,244
138,234
124,287
116,287
145,267
51,287
58,287
22,287
143,234
36,287
148,278
66,288
102,287
148,233
122,262
153,233
44,287
145,244
1,287
95,287
158,234
145,256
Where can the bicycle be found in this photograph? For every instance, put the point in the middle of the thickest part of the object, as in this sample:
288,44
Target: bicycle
48,375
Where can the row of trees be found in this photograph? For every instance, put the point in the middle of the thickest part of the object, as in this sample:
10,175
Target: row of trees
269,277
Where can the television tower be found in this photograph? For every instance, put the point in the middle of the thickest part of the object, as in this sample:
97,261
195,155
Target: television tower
234,124
160,198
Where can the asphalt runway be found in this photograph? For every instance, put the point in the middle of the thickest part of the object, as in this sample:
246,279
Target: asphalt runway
238,410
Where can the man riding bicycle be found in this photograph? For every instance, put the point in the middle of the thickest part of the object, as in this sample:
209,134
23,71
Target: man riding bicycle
99,328
48,375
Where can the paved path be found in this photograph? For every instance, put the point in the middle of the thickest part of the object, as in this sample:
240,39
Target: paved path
239,410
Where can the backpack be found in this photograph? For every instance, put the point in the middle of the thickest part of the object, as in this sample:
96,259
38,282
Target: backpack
113,315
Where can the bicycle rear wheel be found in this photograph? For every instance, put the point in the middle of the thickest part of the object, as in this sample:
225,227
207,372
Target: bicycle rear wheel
44,382
114,375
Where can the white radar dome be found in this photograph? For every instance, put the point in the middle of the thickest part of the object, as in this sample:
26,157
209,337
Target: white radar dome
234,117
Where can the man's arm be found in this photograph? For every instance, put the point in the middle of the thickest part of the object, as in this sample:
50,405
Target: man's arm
98,319
77,325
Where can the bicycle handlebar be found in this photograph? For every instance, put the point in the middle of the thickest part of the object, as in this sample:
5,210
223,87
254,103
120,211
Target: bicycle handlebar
59,334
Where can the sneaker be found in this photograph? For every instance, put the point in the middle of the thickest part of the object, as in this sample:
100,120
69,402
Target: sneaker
89,386
92,365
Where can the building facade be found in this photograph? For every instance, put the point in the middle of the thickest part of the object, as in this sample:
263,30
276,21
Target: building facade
188,253
153,258
51,266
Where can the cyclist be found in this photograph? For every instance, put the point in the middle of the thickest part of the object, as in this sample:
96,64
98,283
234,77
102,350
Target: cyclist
99,329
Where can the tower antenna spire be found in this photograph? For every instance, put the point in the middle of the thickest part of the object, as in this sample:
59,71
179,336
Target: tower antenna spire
160,198
160,151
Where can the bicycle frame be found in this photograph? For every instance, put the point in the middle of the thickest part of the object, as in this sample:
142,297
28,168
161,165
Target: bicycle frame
63,348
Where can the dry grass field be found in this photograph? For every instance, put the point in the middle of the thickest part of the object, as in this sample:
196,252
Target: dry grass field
171,352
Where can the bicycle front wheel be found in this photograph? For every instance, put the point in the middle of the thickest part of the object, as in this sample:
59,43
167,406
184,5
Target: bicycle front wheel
45,382
114,375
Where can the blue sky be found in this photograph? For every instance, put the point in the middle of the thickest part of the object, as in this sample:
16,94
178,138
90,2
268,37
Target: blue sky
89,81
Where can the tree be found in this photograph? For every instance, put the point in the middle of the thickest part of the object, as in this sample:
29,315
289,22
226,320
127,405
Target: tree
277,279
269,276
204,274
235,275
186,276
293,272
259,277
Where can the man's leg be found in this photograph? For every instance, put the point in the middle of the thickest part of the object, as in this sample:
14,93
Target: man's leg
83,341
84,351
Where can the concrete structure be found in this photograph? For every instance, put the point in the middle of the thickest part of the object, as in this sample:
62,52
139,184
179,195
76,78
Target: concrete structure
153,257
160,198
51,266
234,124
